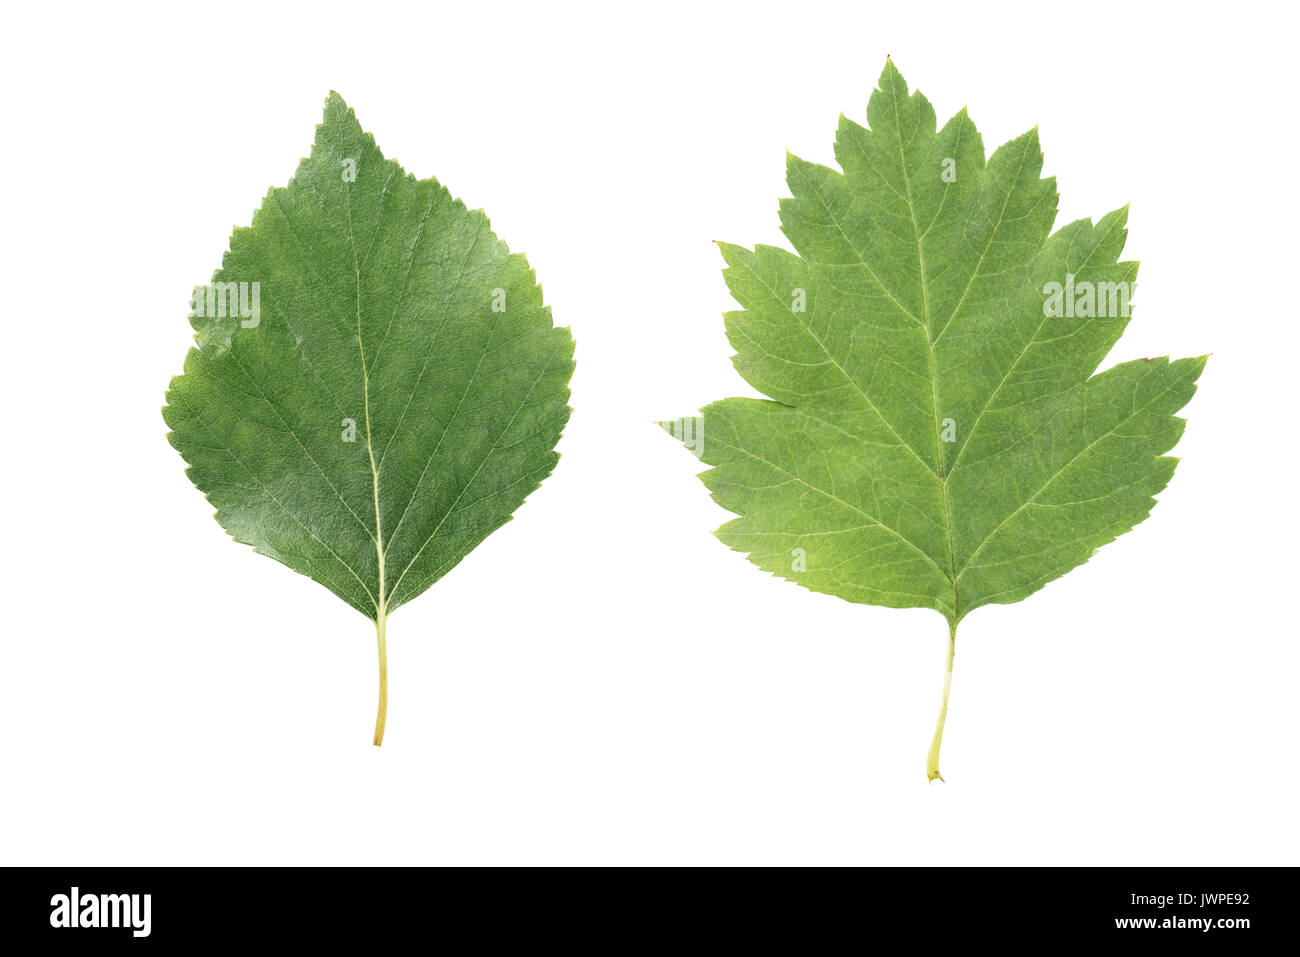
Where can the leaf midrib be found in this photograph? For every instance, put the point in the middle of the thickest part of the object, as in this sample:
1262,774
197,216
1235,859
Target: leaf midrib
365,385
929,352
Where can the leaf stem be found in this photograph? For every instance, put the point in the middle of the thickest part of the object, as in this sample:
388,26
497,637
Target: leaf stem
381,625
932,763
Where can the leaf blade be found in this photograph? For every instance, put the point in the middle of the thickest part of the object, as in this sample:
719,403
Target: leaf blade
385,303
913,307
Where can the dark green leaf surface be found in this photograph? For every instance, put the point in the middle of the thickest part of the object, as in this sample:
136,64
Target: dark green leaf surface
387,303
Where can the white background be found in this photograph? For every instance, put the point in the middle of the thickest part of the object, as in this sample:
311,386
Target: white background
602,681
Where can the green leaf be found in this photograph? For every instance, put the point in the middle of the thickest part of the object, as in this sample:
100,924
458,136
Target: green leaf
937,436
377,385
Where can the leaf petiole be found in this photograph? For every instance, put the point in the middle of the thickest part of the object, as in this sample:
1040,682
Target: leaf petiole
381,624
932,763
